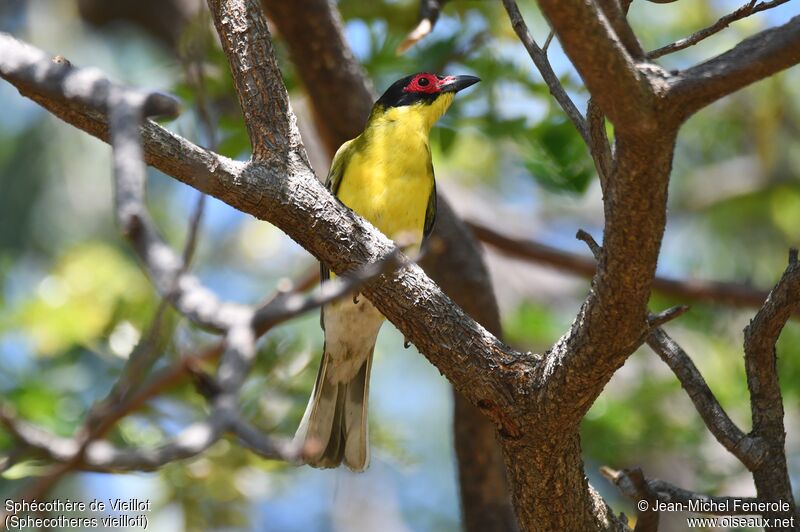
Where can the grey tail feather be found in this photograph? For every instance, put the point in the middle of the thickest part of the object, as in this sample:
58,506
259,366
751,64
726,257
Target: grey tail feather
334,427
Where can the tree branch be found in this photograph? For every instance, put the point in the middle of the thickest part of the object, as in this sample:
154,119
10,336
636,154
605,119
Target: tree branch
262,95
599,145
667,315
616,17
612,323
610,73
539,58
746,10
340,93
632,484
749,450
428,15
755,58
733,294
759,345
297,203
341,98
760,359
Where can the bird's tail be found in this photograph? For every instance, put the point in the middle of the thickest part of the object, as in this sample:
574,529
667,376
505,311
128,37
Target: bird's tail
334,426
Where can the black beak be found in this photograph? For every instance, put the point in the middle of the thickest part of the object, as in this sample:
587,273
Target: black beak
457,83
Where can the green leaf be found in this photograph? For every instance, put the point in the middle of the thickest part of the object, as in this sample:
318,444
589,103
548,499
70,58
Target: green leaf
557,157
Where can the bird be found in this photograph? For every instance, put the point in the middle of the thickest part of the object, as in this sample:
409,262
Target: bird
385,175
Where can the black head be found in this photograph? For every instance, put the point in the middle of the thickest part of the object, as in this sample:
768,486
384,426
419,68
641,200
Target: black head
422,88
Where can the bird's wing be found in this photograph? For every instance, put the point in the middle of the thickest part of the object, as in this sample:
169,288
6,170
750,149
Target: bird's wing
430,210
338,165
332,183
430,214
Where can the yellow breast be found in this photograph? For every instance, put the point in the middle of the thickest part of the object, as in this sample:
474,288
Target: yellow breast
389,180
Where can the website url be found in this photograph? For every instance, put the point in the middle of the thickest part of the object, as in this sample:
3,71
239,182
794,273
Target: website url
740,522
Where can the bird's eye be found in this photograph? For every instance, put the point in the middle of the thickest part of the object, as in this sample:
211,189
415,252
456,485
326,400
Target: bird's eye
423,82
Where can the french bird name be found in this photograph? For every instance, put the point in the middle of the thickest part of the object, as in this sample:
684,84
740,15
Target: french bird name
69,505
118,513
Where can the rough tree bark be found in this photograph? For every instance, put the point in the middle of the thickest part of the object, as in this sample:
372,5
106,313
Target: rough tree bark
341,97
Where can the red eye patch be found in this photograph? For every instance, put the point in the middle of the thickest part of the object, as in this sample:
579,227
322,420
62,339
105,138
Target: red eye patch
427,83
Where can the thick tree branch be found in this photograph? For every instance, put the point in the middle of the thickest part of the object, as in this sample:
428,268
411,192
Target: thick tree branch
746,10
623,92
128,108
612,322
341,98
258,81
339,91
299,204
753,59
760,358
615,15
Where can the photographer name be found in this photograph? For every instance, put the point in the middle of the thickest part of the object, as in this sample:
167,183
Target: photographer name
727,506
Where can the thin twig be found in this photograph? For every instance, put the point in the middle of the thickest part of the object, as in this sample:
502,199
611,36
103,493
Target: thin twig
195,75
757,57
599,145
749,450
547,41
594,247
665,316
286,305
539,58
745,11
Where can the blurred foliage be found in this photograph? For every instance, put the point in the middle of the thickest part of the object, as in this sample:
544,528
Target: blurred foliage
90,288
75,303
